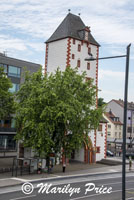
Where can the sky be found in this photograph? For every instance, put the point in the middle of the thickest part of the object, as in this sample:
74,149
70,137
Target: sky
26,24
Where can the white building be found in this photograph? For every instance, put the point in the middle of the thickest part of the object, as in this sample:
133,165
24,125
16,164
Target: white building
69,45
117,108
114,126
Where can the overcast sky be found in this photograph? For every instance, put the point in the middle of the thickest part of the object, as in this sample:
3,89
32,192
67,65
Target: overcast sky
26,24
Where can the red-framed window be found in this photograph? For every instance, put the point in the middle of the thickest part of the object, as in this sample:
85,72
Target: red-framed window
79,47
88,66
89,50
97,149
73,41
100,127
73,56
88,78
78,63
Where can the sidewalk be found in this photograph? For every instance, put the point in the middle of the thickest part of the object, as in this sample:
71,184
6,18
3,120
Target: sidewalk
71,170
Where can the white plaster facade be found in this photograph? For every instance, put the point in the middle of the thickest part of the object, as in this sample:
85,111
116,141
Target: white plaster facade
57,57
57,53
63,53
118,110
101,142
114,131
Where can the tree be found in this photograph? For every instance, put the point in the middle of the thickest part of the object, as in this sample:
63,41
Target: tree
101,102
7,105
56,111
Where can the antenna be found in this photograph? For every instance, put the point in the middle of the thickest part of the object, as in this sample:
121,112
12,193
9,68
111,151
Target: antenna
69,10
5,53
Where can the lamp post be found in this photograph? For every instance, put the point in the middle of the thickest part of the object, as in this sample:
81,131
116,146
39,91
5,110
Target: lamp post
125,114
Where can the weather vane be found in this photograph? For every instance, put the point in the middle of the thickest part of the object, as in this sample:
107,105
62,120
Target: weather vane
69,10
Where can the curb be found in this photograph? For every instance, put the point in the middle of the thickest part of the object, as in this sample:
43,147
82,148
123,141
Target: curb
66,177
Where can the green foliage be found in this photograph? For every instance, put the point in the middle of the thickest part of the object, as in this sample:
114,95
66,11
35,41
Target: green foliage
101,102
56,111
7,105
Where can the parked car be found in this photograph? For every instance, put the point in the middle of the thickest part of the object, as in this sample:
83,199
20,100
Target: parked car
110,153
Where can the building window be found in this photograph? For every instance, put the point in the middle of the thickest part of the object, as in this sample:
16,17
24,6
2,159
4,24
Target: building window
115,134
89,50
88,79
120,135
73,41
109,126
115,126
97,149
13,122
78,63
79,47
129,129
88,66
7,142
14,88
72,56
100,127
13,71
109,133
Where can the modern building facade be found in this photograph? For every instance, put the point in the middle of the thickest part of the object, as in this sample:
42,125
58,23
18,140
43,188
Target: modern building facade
14,69
69,45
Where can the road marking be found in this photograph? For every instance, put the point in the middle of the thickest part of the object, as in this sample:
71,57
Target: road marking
55,175
65,182
21,179
112,170
73,176
86,179
130,192
24,197
116,183
4,179
92,195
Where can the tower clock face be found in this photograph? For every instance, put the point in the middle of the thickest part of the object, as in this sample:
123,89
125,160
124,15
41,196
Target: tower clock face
86,35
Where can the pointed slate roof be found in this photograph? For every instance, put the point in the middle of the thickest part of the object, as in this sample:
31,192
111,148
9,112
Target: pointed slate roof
71,27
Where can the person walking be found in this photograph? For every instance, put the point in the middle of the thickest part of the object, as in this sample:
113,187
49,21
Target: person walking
64,167
130,163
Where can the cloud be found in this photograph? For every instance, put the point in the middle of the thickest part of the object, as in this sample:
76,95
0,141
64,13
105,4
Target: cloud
26,25
109,74
40,19
11,43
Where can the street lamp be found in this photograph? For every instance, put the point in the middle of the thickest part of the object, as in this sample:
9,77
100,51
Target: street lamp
125,113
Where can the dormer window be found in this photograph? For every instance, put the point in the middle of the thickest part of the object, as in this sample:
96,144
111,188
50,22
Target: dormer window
86,35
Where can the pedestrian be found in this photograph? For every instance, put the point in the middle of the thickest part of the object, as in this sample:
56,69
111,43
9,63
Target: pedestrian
39,168
120,151
64,167
130,163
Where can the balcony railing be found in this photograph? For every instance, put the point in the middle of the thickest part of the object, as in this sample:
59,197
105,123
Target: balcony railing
6,129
